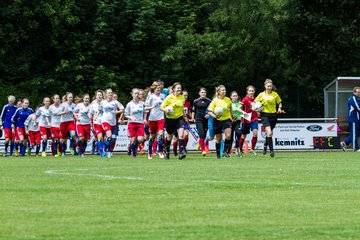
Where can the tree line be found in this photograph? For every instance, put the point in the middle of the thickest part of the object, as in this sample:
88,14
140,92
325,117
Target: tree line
54,46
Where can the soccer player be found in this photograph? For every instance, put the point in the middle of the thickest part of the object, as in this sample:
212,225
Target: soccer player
43,113
110,109
32,130
222,122
134,112
174,121
354,120
201,117
119,119
55,118
187,112
246,124
67,124
83,123
5,124
235,125
16,136
142,97
17,120
156,120
96,114
270,100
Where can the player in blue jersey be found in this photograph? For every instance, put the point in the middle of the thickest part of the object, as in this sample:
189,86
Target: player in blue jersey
5,124
18,120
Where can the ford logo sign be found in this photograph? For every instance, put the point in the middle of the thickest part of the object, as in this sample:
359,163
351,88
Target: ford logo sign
314,128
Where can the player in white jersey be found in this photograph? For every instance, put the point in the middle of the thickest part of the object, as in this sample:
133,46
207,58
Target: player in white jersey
119,119
96,114
32,130
54,110
156,119
110,108
43,113
83,123
134,112
67,124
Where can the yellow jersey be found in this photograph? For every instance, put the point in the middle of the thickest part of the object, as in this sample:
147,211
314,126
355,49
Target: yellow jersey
269,101
225,104
177,102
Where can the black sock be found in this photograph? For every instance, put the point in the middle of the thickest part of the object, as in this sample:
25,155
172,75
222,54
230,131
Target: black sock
218,146
270,143
181,145
227,146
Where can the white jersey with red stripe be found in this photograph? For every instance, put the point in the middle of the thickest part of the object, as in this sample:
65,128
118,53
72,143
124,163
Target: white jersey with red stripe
67,117
82,111
109,111
135,110
29,122
55,117
155,101
42,114
96,110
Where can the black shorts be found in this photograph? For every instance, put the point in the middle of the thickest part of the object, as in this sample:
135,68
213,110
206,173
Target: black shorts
202,127
219,126
172,125
269,120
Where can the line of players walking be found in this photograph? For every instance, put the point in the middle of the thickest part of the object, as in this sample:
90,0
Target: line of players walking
148,114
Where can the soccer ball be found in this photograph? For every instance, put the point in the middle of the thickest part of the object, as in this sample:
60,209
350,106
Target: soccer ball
257,106
218,111
169,110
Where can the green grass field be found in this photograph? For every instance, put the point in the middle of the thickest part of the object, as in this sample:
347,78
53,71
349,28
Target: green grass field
292,196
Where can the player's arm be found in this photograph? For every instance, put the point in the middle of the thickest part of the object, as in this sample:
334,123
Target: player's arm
76,113
37,114
2,116
211,110
14,119
127,112
27,122
63,111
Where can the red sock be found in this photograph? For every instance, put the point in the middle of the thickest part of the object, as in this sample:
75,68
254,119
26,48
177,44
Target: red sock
186,139
253,142
202,144
155,146
241,143
112,146
175,145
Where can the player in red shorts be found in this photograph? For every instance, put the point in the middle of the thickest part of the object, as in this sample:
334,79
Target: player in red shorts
18,120
110,108
43,113
54,110
134,112
67,124
96,114
156,119
83,123
32,130
5,124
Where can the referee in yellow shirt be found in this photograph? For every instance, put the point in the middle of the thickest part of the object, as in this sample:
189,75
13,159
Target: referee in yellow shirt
222,123
175,121
272,106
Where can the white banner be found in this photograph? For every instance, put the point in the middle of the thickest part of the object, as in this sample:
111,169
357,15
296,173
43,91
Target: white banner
285,136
